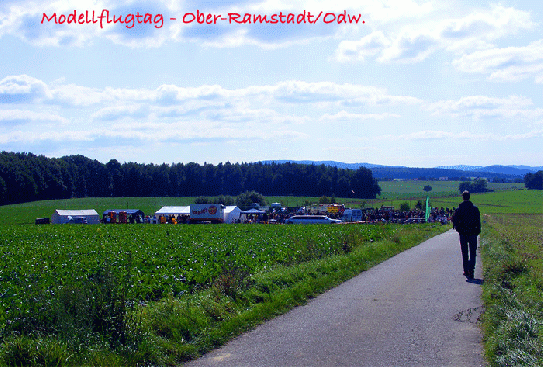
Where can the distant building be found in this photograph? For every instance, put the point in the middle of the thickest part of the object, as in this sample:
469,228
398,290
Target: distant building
444,178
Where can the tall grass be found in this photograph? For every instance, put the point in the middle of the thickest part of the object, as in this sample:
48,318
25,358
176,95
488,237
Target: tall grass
512,250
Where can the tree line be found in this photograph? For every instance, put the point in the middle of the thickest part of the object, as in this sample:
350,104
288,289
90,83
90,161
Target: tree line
475,186
28,177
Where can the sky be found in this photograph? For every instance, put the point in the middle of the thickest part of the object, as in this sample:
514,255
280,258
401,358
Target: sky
392,82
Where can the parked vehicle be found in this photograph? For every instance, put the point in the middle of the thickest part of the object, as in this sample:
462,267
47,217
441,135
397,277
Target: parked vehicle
311,219
77,220
201,213
352,215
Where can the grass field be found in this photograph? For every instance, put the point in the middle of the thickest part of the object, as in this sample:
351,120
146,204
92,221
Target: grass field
393,193
512,253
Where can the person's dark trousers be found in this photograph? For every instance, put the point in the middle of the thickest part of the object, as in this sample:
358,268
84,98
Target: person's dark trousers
468,244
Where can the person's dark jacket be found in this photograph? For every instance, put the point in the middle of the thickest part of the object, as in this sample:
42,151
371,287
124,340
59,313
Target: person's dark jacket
467,219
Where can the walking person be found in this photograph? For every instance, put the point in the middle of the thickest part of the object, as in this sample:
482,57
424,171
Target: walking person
467,222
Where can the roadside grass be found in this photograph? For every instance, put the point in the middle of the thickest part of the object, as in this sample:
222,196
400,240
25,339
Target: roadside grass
512,253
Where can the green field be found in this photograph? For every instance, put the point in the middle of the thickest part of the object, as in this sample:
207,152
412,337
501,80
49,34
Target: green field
512,250
506,202
132,295
393,193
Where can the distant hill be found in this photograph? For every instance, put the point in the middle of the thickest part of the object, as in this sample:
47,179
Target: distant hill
341,165
402,172
508,170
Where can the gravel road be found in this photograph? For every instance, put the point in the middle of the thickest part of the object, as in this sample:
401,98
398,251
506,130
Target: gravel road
415,309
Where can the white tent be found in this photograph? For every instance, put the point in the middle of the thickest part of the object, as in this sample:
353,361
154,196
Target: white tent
231,214
89,216
172,210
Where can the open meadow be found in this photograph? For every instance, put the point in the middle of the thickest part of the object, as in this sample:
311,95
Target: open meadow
393,193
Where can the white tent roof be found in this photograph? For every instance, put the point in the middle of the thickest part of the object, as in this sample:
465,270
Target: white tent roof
76,213
230,209
167,210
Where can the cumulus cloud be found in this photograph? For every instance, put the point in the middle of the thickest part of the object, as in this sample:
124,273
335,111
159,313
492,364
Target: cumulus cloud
23,89
507,64
288,111
437,31
174,112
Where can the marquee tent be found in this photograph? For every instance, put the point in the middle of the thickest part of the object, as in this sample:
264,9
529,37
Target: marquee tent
172,210
231,214
88,216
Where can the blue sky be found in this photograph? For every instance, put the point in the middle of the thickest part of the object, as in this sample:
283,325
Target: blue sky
420,83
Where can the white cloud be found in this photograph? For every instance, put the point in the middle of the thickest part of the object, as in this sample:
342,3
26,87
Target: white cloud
479,107
171,112
508,64
16,117
463,135
437,31
369,45
23,89
346,116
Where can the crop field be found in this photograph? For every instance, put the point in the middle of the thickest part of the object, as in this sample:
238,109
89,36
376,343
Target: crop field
158,260
91,292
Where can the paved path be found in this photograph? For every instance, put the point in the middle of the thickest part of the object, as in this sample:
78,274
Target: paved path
415,309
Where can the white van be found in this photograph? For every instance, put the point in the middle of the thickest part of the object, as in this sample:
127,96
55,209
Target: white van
352,215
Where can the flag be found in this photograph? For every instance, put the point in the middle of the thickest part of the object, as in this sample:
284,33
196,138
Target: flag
427,214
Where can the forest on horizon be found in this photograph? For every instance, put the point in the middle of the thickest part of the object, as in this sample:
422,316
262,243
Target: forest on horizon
26,177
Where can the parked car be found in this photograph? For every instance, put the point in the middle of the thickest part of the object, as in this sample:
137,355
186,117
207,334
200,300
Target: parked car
311,219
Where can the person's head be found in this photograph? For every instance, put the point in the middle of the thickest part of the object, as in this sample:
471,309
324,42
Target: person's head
465,195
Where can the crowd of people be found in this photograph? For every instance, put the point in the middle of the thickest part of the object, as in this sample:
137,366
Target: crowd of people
369,215
383,214
388,215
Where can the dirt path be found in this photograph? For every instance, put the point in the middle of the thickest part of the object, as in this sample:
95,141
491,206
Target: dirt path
415,309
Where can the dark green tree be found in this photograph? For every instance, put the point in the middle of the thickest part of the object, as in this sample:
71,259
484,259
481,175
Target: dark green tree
534,181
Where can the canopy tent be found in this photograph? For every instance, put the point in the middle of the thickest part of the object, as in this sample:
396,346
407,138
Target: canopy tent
231,214
167,211
89,216
128,211
132,215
